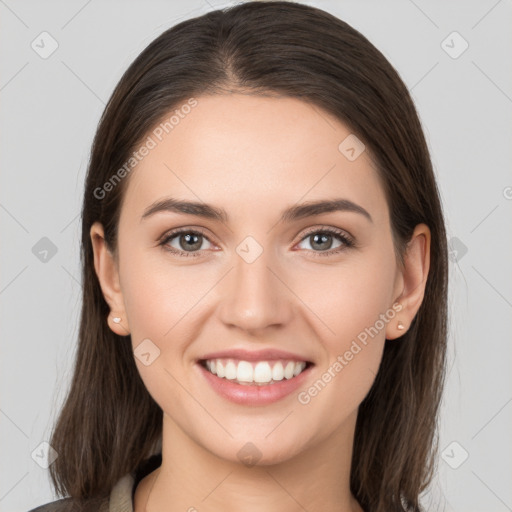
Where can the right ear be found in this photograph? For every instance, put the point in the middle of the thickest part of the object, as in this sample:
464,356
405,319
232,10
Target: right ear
107,270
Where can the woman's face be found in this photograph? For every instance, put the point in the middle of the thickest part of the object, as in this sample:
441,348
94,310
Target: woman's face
257,280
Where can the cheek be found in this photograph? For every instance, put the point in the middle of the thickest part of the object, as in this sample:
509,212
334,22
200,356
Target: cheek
348,297
350,318
353,345
162,300
158,294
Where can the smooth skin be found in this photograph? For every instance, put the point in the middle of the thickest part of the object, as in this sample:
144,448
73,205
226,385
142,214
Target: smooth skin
255,156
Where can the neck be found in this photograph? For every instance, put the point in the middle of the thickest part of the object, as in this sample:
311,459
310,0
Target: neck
192,478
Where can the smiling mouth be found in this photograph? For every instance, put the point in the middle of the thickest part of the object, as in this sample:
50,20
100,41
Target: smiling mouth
254,373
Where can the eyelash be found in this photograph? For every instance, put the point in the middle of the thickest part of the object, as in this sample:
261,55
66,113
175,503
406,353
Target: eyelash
348,242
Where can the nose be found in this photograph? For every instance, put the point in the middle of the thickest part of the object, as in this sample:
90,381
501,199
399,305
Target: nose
255,296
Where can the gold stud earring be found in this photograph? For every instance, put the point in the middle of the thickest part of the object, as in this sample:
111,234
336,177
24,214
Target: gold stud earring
400,326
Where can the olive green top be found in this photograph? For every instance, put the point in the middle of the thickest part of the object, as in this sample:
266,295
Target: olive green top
119,500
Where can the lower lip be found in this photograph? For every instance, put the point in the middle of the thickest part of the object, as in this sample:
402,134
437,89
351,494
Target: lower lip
254,394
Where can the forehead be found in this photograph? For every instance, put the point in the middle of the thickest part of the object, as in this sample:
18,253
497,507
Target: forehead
249,151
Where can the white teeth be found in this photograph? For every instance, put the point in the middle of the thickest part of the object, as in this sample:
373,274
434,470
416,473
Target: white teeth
288,371
244,372
262,372
278,372
230,371
298,369
221,372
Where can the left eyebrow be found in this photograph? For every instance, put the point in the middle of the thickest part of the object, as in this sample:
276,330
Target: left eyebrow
289,215
318,207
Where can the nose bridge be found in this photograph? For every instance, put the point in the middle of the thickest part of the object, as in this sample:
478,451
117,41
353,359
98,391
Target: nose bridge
255,297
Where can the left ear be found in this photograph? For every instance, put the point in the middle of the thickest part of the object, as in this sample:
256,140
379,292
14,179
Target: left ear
414,276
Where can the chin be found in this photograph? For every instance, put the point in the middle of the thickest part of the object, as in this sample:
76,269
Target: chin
256,450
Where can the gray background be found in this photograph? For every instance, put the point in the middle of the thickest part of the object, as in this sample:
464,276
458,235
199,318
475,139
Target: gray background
50,109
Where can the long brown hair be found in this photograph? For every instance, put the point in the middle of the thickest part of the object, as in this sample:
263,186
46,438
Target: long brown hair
109,423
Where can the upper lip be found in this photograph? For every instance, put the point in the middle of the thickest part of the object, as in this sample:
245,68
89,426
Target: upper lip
254,355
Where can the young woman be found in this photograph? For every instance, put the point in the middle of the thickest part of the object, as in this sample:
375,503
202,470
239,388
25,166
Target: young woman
264,279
